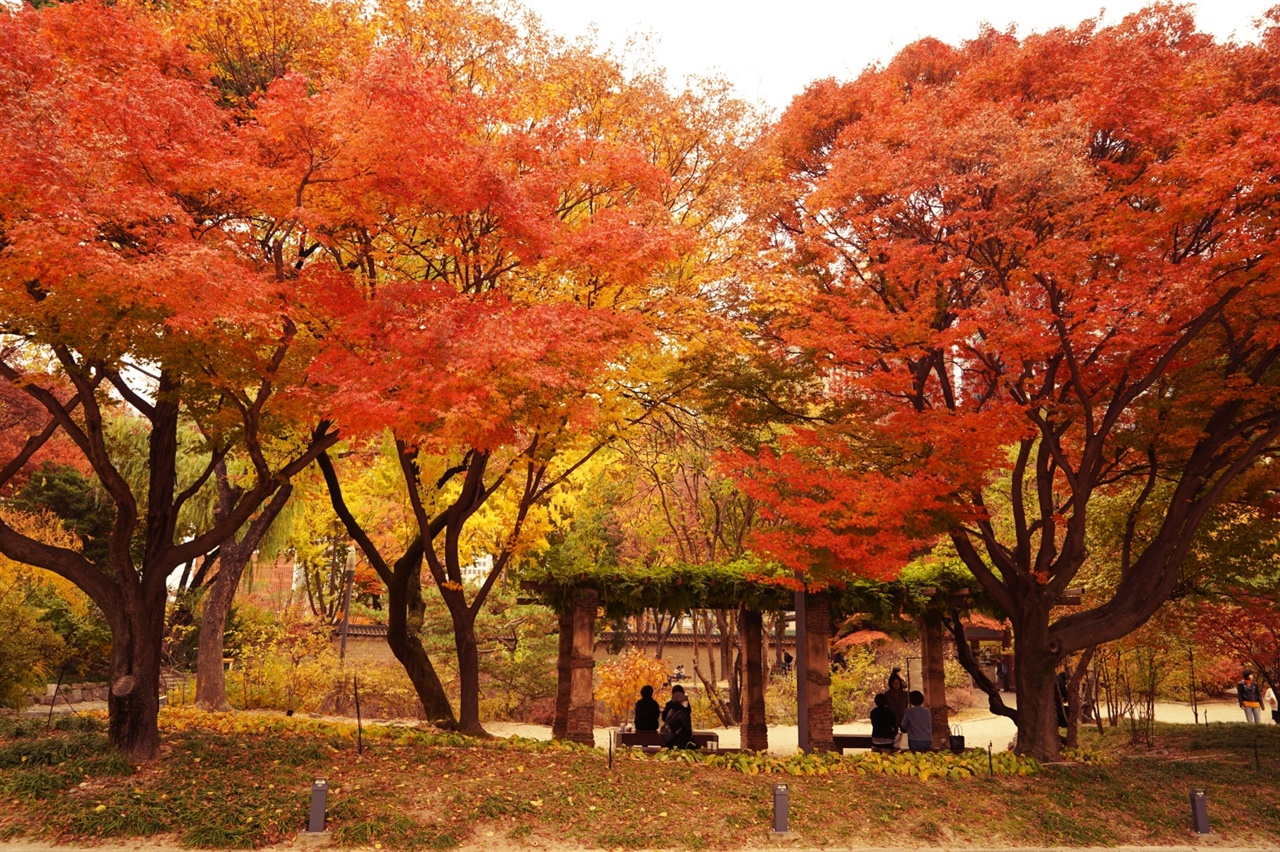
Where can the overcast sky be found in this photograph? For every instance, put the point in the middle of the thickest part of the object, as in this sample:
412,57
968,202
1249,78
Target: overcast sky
771,50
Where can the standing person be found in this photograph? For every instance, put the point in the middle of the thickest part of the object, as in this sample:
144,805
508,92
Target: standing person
1272,704
884,727
678,719
918,724
1250,698
647,710
898,699
1002,675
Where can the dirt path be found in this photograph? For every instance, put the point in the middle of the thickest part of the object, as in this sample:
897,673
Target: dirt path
979,725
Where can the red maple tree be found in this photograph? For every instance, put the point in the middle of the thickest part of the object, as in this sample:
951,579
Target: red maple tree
1017,276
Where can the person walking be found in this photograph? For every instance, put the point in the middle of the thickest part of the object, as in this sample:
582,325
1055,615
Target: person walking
1273,705
1250,698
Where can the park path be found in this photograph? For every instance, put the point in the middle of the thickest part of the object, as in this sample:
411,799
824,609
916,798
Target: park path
979,725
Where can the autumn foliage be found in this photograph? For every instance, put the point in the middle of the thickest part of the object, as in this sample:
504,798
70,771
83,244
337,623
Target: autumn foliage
135,297
1014,277
623,676
961,298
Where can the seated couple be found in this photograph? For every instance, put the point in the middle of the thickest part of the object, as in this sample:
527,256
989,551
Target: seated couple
676,718
917,724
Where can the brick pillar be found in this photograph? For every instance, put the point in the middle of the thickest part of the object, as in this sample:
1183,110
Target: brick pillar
564,659
934,676
582,700
817,621
755,730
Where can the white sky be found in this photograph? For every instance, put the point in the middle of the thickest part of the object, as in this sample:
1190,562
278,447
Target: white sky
772,50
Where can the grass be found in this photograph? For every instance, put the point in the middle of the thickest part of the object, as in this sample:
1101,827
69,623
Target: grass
243,782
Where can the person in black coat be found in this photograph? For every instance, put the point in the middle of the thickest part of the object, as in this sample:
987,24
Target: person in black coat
678,717
884,725
647,710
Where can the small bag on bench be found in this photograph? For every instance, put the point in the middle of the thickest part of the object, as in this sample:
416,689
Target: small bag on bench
956,741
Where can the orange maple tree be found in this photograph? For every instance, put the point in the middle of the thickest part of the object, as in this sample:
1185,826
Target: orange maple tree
482,243
1011,278
130,295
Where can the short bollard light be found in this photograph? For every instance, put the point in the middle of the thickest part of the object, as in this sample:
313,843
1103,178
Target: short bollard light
1199,813
319,796
781,807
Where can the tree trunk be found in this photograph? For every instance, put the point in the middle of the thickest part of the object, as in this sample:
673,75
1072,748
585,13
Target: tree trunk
1035,663
464,642
211,684
662,626
233,558
133,702
405,611
735,685
727,637
1074,697
709,687
995,702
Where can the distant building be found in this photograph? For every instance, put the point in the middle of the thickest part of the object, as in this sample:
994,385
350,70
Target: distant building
475,573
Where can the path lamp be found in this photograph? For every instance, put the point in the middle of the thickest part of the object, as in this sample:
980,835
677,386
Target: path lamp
1199,813
781,809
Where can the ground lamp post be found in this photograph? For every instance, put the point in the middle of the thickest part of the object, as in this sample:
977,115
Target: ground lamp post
1199,813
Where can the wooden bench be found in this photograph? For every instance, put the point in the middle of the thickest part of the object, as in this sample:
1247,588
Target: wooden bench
651,741
840,742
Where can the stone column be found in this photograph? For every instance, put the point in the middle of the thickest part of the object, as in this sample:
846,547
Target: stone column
564,665
582,700
755,731
817,636
934,676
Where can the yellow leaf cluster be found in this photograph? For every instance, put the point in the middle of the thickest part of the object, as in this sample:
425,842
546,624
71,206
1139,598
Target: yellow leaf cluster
48,529
622,677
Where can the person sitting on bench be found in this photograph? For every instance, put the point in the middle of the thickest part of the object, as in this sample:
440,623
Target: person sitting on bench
647,710
918,724
677,717
884,725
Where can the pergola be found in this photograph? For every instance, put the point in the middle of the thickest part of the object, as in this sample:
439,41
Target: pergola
578,597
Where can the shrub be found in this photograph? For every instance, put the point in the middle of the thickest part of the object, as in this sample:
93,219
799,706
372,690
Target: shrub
30,650
621,679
